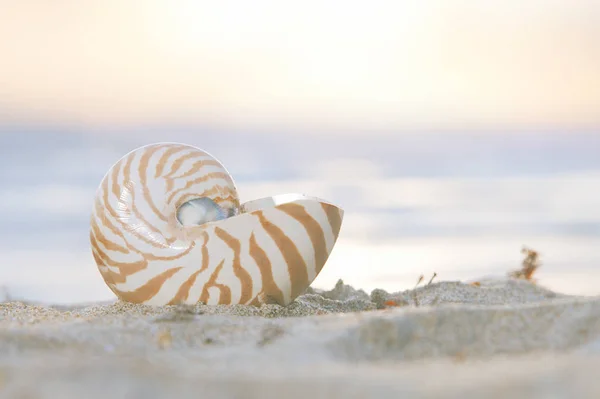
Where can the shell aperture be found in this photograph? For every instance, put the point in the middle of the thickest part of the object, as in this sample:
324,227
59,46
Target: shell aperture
198,211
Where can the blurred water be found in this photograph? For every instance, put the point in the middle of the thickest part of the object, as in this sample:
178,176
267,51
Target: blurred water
458,204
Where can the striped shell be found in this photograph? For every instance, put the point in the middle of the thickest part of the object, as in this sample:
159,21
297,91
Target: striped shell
265,251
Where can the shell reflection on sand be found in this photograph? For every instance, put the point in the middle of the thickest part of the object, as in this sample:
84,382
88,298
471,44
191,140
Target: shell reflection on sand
224,252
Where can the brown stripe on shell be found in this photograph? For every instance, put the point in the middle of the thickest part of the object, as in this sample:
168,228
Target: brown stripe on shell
208,176
263,299
108,244
256,301
217,189
125,268
135,233
293,259
162,162
241,273
127,228
269,287
224,200
116,189
150,256
334,217
197,166
106,223
313,229
227,193
142,172
177,163
205,253
184,291
218,193
125,212
138,214
150,289
225,291
217,200
108,276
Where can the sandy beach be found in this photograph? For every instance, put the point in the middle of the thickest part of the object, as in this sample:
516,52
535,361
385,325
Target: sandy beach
495,339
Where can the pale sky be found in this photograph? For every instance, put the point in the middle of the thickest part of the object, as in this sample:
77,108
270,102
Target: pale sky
326,64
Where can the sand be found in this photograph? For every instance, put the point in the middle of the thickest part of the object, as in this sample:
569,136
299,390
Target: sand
502,338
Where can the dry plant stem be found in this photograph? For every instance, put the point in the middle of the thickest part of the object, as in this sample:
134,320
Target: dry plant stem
529,266
419,280
432,277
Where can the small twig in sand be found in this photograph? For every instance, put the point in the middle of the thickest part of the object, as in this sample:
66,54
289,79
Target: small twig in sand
432,277
421,277
529,266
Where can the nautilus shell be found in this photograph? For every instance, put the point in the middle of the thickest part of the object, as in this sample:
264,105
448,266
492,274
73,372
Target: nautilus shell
167,227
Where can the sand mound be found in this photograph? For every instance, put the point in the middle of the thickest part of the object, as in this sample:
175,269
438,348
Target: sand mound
329,344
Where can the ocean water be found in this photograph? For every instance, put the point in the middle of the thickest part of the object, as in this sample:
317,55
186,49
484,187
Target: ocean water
460,205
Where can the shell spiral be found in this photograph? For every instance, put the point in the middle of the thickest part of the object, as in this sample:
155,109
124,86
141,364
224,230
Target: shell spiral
146,255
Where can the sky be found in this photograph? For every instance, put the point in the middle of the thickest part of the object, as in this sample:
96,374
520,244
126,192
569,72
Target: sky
451,132
337,65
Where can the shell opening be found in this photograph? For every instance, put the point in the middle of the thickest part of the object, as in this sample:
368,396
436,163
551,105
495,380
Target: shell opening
199,211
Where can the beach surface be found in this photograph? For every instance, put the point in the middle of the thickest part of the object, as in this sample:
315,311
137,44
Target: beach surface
496,339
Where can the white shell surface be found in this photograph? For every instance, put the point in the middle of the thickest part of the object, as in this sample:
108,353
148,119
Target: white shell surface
268,254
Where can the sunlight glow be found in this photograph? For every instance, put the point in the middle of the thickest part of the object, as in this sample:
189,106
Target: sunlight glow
381,65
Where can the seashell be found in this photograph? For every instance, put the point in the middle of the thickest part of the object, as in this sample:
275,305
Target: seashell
167,227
